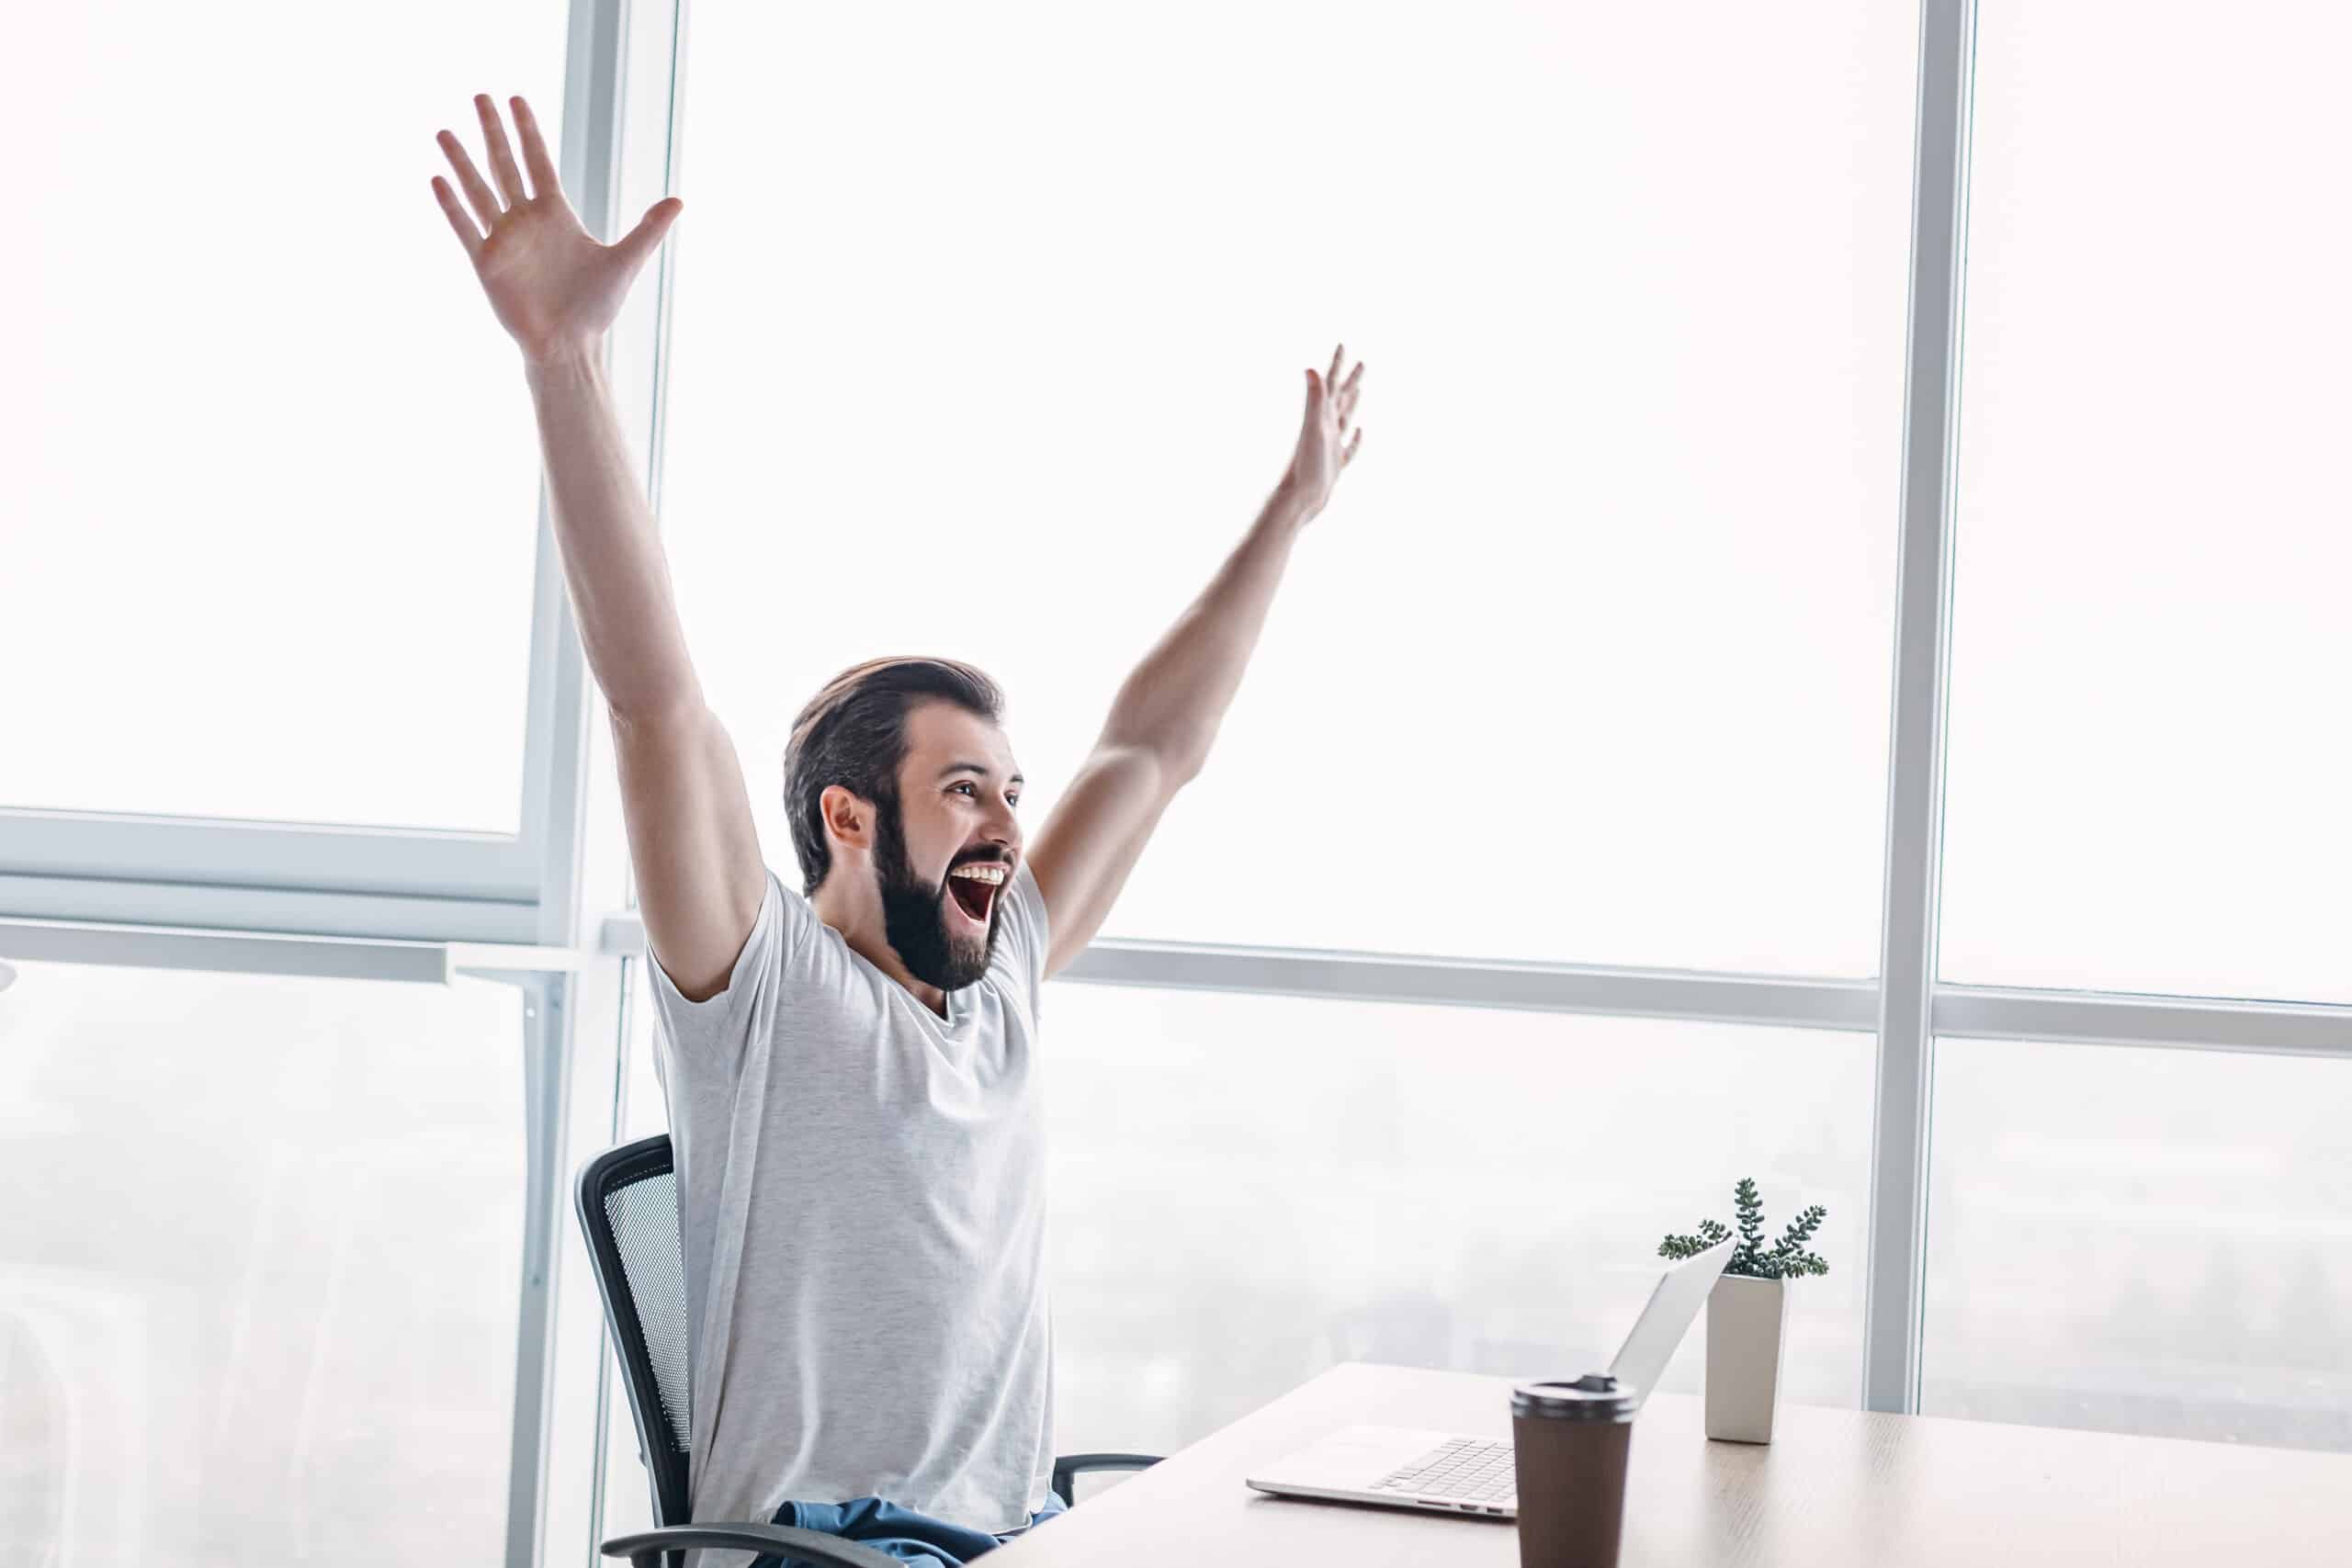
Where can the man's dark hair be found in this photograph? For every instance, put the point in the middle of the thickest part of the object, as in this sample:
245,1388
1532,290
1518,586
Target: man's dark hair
854,733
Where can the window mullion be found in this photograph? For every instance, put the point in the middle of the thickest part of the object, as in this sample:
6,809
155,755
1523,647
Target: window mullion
1915,770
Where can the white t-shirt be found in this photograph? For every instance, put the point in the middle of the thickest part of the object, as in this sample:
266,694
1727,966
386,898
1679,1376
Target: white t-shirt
862,1194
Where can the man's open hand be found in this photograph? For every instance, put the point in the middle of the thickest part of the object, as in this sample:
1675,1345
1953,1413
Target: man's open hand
1324,443
553,286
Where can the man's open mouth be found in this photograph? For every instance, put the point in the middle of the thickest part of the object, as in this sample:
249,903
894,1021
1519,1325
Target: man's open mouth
973,897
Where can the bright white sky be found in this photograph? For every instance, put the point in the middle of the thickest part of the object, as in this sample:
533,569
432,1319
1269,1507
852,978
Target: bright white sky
991,342
2149,762
990,334
271,470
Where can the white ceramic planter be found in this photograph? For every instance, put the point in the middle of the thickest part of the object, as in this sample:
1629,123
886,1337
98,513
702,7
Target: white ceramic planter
1744,1324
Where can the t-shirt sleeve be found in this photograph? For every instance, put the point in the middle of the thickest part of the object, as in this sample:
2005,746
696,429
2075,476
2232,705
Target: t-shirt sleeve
1026,933
719,1026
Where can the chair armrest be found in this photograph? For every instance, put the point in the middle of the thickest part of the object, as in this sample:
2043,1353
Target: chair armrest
1070,1466
645,1550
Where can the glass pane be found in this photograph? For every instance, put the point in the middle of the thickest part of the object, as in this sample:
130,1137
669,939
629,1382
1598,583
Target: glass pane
272,474
257,1301
628,1488
1478,1190
645,1111
2141,1240
2147,765
1608,594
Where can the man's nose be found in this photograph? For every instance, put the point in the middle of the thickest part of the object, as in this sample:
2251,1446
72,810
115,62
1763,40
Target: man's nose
1004,826
1004,834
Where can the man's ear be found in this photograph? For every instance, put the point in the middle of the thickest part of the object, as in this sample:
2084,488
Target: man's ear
847,817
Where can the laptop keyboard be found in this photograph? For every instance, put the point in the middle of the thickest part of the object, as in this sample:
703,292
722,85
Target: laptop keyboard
1464,1470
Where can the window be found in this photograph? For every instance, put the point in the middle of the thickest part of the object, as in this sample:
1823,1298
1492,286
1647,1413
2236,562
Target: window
261,1286
627,1492
2147,765
2141,1240
273,478
991,342
1476,1190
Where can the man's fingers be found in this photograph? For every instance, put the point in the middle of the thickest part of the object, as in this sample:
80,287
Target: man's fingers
642,240
544,179
468,235
485,204
1348,388
502,156
1332,375
1350,455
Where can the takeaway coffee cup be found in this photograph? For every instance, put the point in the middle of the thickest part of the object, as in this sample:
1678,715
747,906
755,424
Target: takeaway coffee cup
1570,1442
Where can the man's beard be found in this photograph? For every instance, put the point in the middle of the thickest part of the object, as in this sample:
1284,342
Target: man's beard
934,942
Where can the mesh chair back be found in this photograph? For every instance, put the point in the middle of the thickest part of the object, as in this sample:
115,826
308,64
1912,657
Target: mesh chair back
628,1203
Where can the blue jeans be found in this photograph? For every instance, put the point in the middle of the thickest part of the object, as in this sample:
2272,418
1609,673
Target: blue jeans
900,1532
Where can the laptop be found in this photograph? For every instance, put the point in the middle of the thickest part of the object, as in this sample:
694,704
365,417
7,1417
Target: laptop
1446,1473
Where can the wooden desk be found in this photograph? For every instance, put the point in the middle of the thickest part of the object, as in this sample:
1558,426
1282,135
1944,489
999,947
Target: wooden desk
1834,1488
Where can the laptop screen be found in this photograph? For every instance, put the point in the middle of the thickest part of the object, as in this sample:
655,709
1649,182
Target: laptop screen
1681,1291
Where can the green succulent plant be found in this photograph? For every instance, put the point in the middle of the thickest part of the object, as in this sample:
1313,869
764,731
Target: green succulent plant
1784,1260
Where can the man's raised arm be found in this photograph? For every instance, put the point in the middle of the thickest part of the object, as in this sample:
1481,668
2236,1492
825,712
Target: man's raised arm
556,290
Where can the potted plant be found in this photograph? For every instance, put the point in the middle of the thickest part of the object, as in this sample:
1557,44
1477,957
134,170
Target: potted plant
1745,1313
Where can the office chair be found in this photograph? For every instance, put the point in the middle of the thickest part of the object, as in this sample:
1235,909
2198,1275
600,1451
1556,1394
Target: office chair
626,1199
